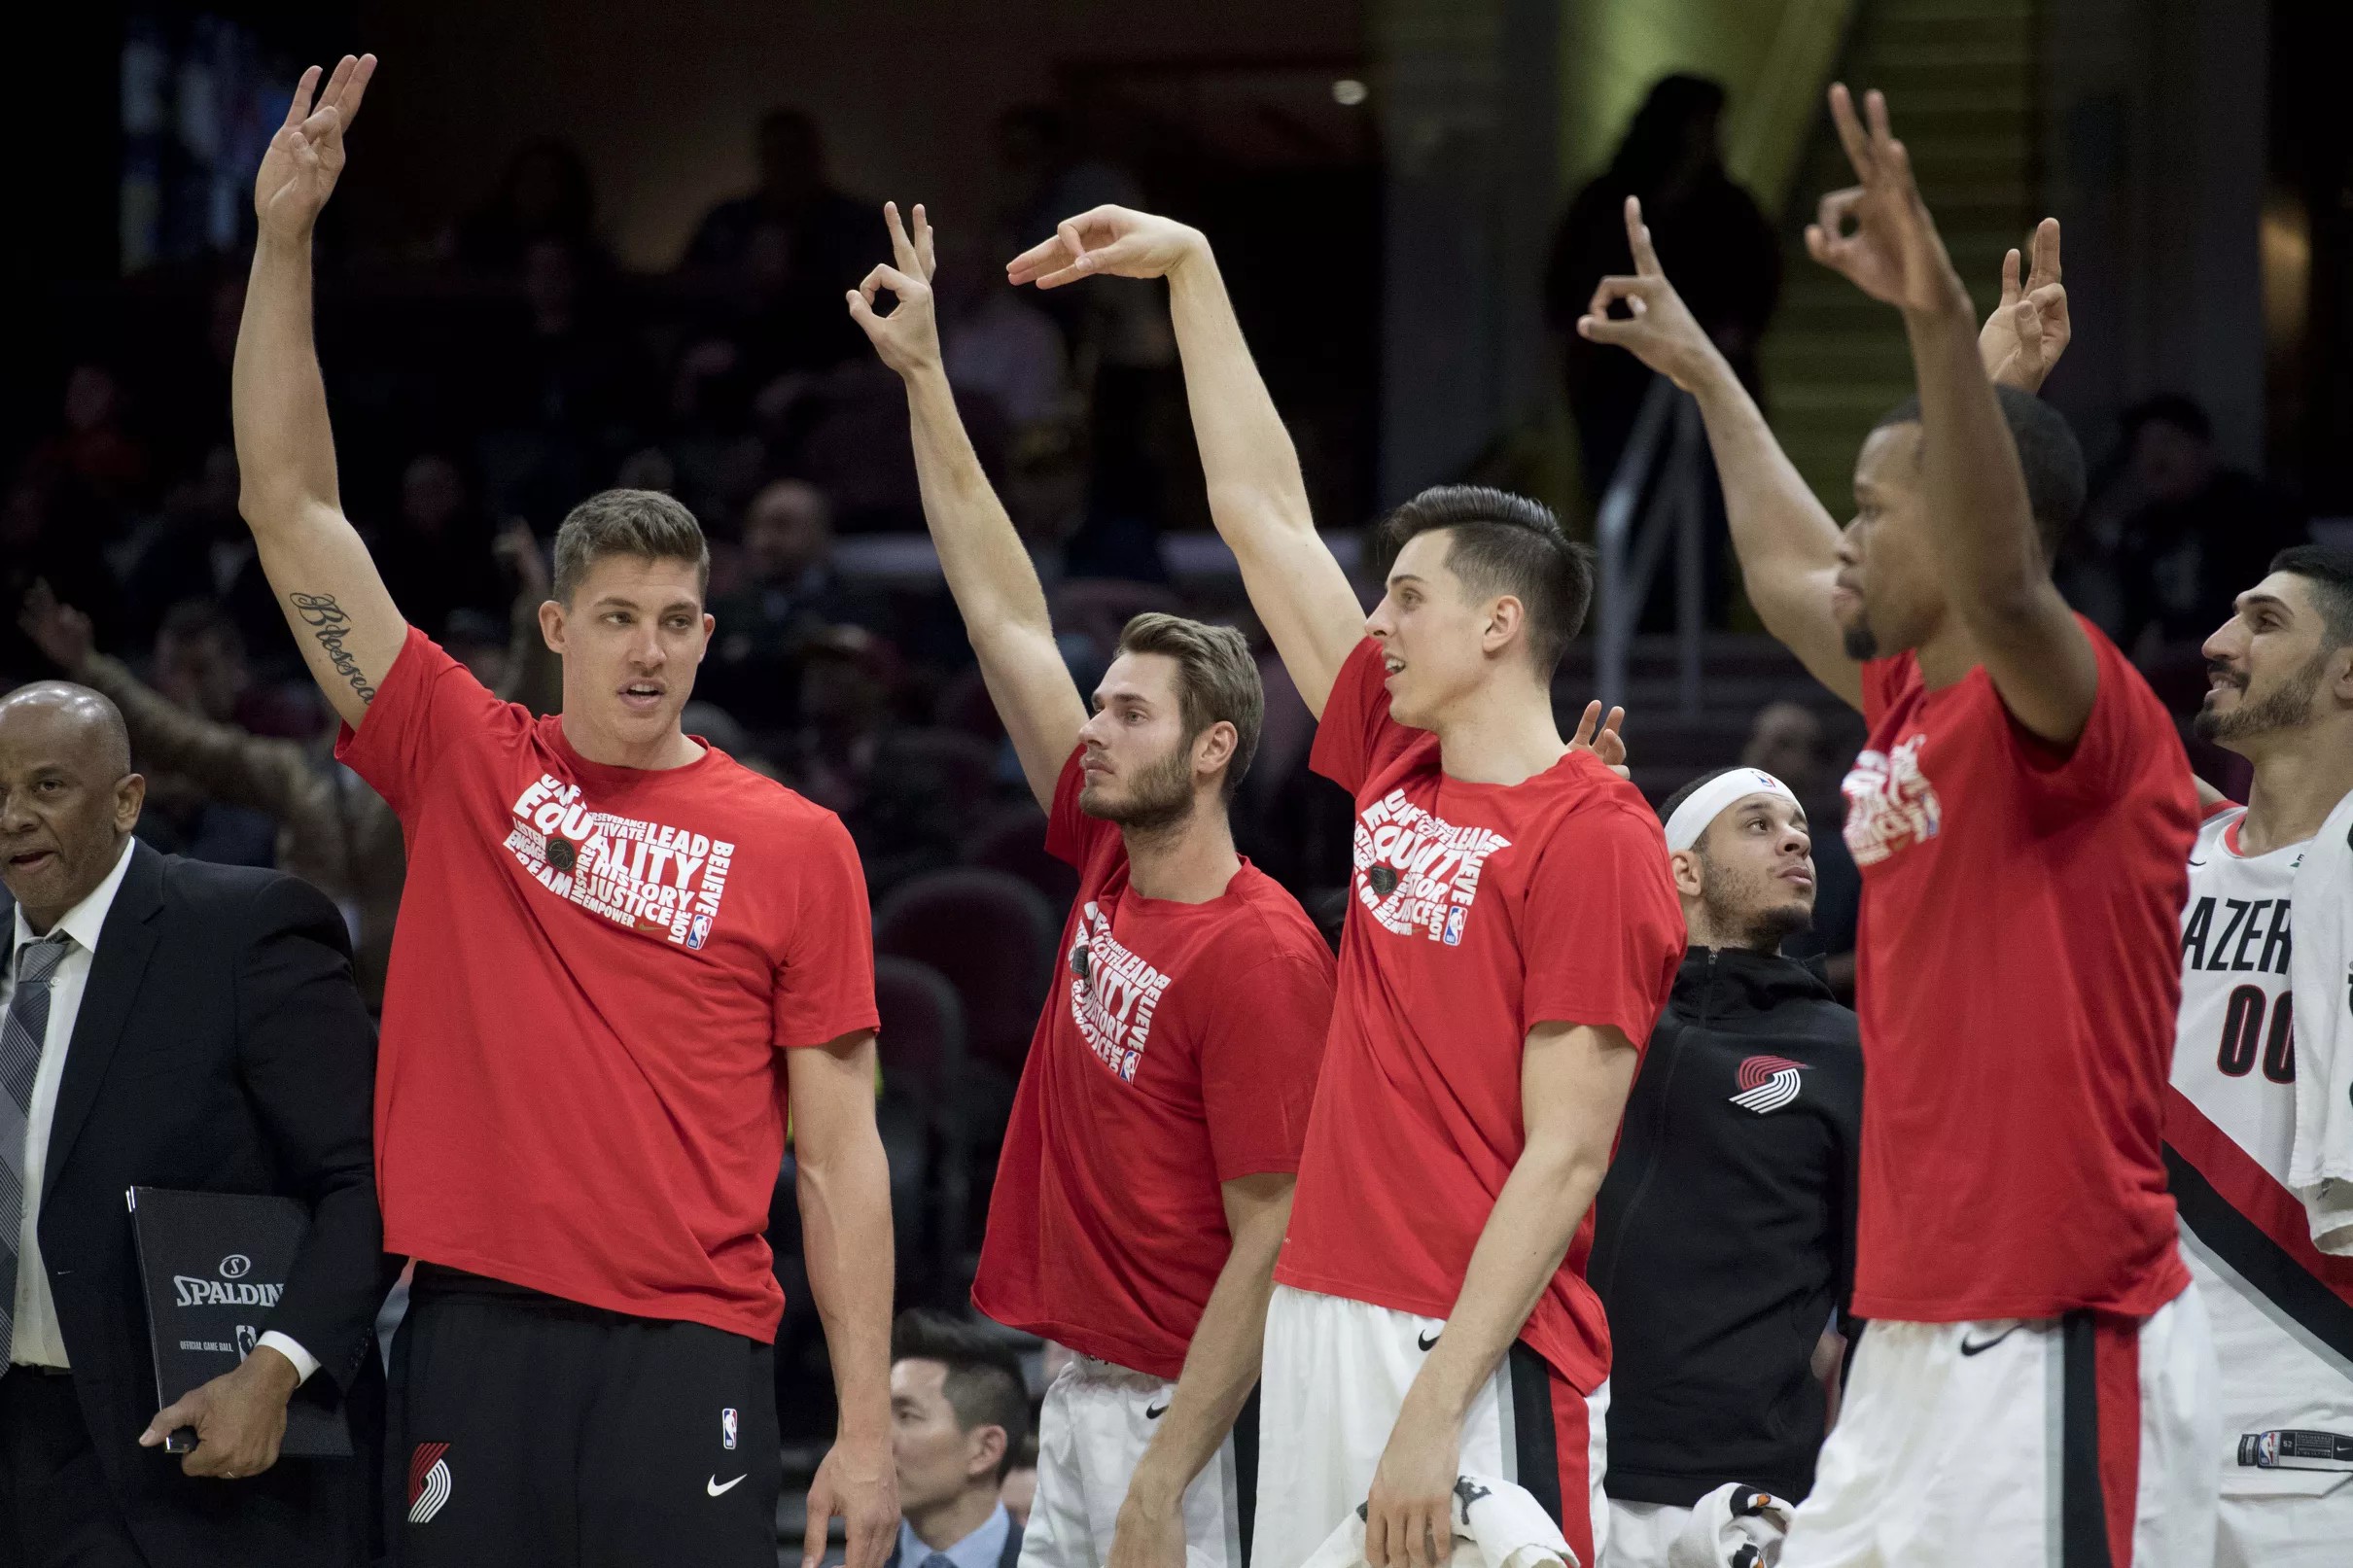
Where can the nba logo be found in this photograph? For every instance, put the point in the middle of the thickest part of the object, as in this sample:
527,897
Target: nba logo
696,931
1455,917
726,1426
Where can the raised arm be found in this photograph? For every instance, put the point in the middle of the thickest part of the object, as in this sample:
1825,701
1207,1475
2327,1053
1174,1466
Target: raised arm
1787,544
1989,552
989,572
1257,496
342,618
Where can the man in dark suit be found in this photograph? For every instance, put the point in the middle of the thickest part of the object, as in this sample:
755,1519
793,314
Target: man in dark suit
168,1023
958,1407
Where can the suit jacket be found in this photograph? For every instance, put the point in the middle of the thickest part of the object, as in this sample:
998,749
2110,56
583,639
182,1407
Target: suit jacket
221,1047
1011,1557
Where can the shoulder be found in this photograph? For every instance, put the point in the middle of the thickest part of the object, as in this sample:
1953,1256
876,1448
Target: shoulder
1589,800
1272,926
260,902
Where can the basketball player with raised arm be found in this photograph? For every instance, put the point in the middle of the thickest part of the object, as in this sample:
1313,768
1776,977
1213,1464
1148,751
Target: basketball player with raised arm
1512,934
2036,1383
1148,1171
2281,697
621,955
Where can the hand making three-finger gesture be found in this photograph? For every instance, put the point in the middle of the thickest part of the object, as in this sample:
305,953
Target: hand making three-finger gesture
1892,252
305,157
908,337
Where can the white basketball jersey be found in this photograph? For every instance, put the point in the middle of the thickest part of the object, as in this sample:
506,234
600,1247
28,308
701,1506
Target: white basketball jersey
2234,1058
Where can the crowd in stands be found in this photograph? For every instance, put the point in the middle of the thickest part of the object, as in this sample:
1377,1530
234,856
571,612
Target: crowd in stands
479,395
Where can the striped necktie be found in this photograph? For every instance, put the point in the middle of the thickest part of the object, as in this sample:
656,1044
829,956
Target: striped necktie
20,1036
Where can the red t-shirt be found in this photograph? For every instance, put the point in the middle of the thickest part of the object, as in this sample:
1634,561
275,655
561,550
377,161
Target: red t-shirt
580,1085
1178,1049
2017,974
1477,912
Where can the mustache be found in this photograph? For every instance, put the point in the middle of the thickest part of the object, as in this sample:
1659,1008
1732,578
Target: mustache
2222,669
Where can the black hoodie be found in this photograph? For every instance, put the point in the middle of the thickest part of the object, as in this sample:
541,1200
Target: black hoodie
1724,1234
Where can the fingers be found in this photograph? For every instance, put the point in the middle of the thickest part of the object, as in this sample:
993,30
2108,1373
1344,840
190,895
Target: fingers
1609,291
886,276
1638,240
926,260
903,249
1588,724
300,109
1615,723
1039,258
1874,115
1849,128
184,1410
821,1513
2045,254
347,102
2010,292
1831,213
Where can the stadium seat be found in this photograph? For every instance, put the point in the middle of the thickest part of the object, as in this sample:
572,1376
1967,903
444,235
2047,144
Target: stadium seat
1014,840
993,937
922,1048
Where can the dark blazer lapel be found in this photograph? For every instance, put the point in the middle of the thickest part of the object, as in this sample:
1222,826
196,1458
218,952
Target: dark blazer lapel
124,944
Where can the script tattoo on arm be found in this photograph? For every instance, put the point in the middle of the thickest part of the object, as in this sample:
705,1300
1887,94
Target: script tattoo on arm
330,625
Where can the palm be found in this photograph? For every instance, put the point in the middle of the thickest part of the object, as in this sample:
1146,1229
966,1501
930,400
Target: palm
305,157
1892,252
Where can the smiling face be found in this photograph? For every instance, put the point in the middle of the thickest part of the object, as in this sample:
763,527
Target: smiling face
1748,881
631,634
1142,770
68,798
1886,598
1439,642
2271,669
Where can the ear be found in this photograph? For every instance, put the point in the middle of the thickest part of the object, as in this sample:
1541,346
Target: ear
552,625
1214,747
1506,619
984,1452
2341,674
710,628
1685,864
130,799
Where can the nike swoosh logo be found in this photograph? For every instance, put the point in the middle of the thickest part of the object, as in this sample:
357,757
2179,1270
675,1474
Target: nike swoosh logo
1969,1349
2197,863
1153,1412
1427,1340
717,1490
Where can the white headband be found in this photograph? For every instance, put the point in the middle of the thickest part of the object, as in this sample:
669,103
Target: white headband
1690,819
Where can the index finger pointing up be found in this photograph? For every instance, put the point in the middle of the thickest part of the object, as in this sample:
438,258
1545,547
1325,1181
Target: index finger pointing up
1637,239
299,110
1849,128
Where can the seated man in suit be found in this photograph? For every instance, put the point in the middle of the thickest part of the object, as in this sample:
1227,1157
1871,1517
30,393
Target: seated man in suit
169,1023
958,1410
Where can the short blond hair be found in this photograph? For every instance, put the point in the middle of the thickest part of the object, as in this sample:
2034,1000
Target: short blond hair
643,523
1216,679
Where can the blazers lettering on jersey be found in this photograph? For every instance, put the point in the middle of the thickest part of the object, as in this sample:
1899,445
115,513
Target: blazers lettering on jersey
2252,940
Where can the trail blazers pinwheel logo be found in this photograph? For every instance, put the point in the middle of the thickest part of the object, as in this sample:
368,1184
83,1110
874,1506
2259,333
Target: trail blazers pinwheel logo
1767,1083
428,1480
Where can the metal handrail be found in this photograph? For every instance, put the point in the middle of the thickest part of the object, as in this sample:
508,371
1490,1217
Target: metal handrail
1668,444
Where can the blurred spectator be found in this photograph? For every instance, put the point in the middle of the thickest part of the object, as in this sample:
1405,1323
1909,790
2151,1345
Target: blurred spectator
959,1409
848,679
93,449
996,342
791,592
1787,740
1710,236
436,557
544,193
795,243
200,666
2188,531
196,545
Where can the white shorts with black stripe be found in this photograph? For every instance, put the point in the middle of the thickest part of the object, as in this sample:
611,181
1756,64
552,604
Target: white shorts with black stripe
1336,1375
2050,1443
1097,1421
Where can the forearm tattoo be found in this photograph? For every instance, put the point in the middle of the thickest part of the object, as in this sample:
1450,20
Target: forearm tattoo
330,625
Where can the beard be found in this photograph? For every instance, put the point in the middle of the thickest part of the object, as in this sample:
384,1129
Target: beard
1160,797
1745,908
2286,707
1861,646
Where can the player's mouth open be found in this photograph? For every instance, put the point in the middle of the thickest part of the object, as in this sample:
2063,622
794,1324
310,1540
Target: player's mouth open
1391,664
643,694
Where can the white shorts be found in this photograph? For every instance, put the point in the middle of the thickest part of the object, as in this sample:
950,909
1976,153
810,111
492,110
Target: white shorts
2049,1442
1097,1421
1641,1534
1336,1375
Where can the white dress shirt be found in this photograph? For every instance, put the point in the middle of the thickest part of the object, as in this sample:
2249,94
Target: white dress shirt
38,1342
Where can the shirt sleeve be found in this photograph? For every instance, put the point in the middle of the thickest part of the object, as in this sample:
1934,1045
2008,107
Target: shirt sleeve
2127,732
426,703
1601,932
1071,835
1259,1058
304,1363
1356,733
824,987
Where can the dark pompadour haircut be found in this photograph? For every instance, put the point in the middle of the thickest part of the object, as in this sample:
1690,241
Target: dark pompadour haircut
2047,452
984,1386
643,523
2330,572
1502,544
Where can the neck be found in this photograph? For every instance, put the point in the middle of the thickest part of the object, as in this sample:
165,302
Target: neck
2296,787
1188,862
1705,934
671,751
1503,734
950,1520
1948,654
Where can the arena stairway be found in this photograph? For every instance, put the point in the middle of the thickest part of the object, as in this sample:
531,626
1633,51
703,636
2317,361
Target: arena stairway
1959,77
1739,674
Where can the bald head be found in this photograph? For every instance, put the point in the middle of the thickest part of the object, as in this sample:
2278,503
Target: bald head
68,798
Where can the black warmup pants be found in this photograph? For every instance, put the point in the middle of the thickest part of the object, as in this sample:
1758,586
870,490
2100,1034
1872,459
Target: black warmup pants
530,1432
55,1507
